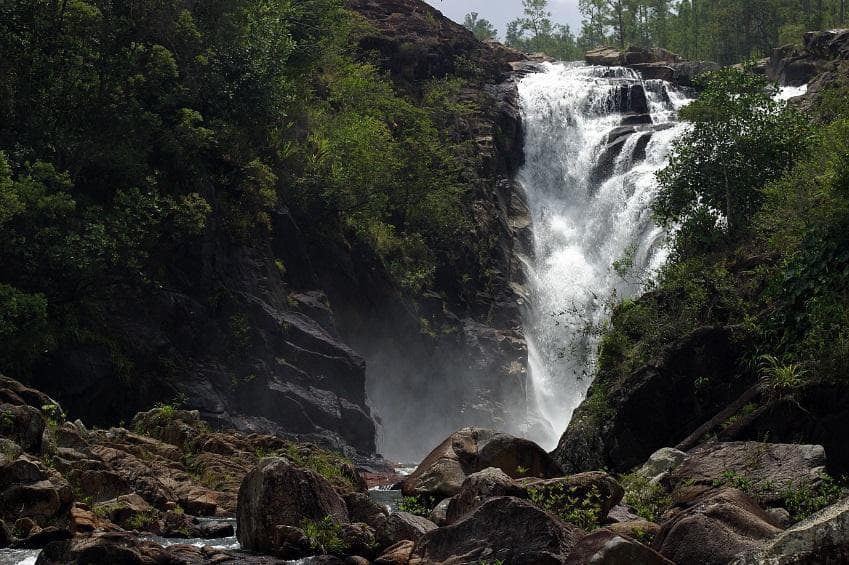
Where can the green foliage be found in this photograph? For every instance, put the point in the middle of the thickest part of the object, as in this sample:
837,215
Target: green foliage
131,136
649,500
332,466
778,378
740,140
569,504
420,505
803,502
325,535
536,32
482,28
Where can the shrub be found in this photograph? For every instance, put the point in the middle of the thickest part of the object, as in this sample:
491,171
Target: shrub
649,500
569,504
325,535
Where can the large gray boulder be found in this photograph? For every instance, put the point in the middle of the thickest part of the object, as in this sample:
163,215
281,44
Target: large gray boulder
480,487
400,526
470,450
769,468
277,493
823,539
506,529
715,529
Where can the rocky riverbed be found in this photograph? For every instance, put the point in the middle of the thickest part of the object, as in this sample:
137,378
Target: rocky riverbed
162,491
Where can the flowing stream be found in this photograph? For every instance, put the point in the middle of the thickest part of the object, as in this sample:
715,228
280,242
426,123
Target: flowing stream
594,138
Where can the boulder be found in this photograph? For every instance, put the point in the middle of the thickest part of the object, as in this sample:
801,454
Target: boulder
398,554
362,508
28,490
291,543
595,488
130,511
401,526
505,529
276,493
640,530
715,529
770,468
470,450
40,537
13,392
439,514
23,425
606,547
662,462
124,548
604,56
359,539
478,488
175,427
822,538
683,73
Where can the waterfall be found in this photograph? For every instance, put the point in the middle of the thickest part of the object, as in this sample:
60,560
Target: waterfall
594,138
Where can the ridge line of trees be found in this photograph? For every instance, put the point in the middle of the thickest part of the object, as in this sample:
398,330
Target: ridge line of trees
725,31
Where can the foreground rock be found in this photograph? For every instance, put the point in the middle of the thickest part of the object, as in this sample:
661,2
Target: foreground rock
30,491
822,538
121,548
771,469
715,529
504,529
606,547
276,493
595,492
470,450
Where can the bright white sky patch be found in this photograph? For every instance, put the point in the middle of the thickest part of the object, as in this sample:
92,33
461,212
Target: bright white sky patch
499,12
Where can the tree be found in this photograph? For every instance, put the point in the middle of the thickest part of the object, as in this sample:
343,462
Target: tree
537,33
482,28
740,139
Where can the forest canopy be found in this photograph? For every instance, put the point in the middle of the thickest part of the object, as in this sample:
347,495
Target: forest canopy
725,31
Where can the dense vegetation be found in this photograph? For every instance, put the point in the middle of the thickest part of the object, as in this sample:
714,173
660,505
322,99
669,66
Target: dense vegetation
134,133
726,31
764,249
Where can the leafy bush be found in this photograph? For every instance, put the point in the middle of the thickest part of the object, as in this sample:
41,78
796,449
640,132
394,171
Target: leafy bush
420,505
570,505
649,500
804,502
325,535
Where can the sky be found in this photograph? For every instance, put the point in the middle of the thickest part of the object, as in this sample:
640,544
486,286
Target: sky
499,12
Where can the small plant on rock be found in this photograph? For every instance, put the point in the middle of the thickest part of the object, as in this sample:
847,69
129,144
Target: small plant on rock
777,378
804,501
325,535
649,500
569,504
420,505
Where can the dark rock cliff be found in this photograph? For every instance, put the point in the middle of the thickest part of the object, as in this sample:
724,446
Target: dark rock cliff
277,337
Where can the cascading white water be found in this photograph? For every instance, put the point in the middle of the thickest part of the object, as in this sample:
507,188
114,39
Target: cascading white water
590,182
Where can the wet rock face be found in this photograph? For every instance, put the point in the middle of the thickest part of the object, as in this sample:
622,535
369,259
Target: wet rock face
276,493
658,405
